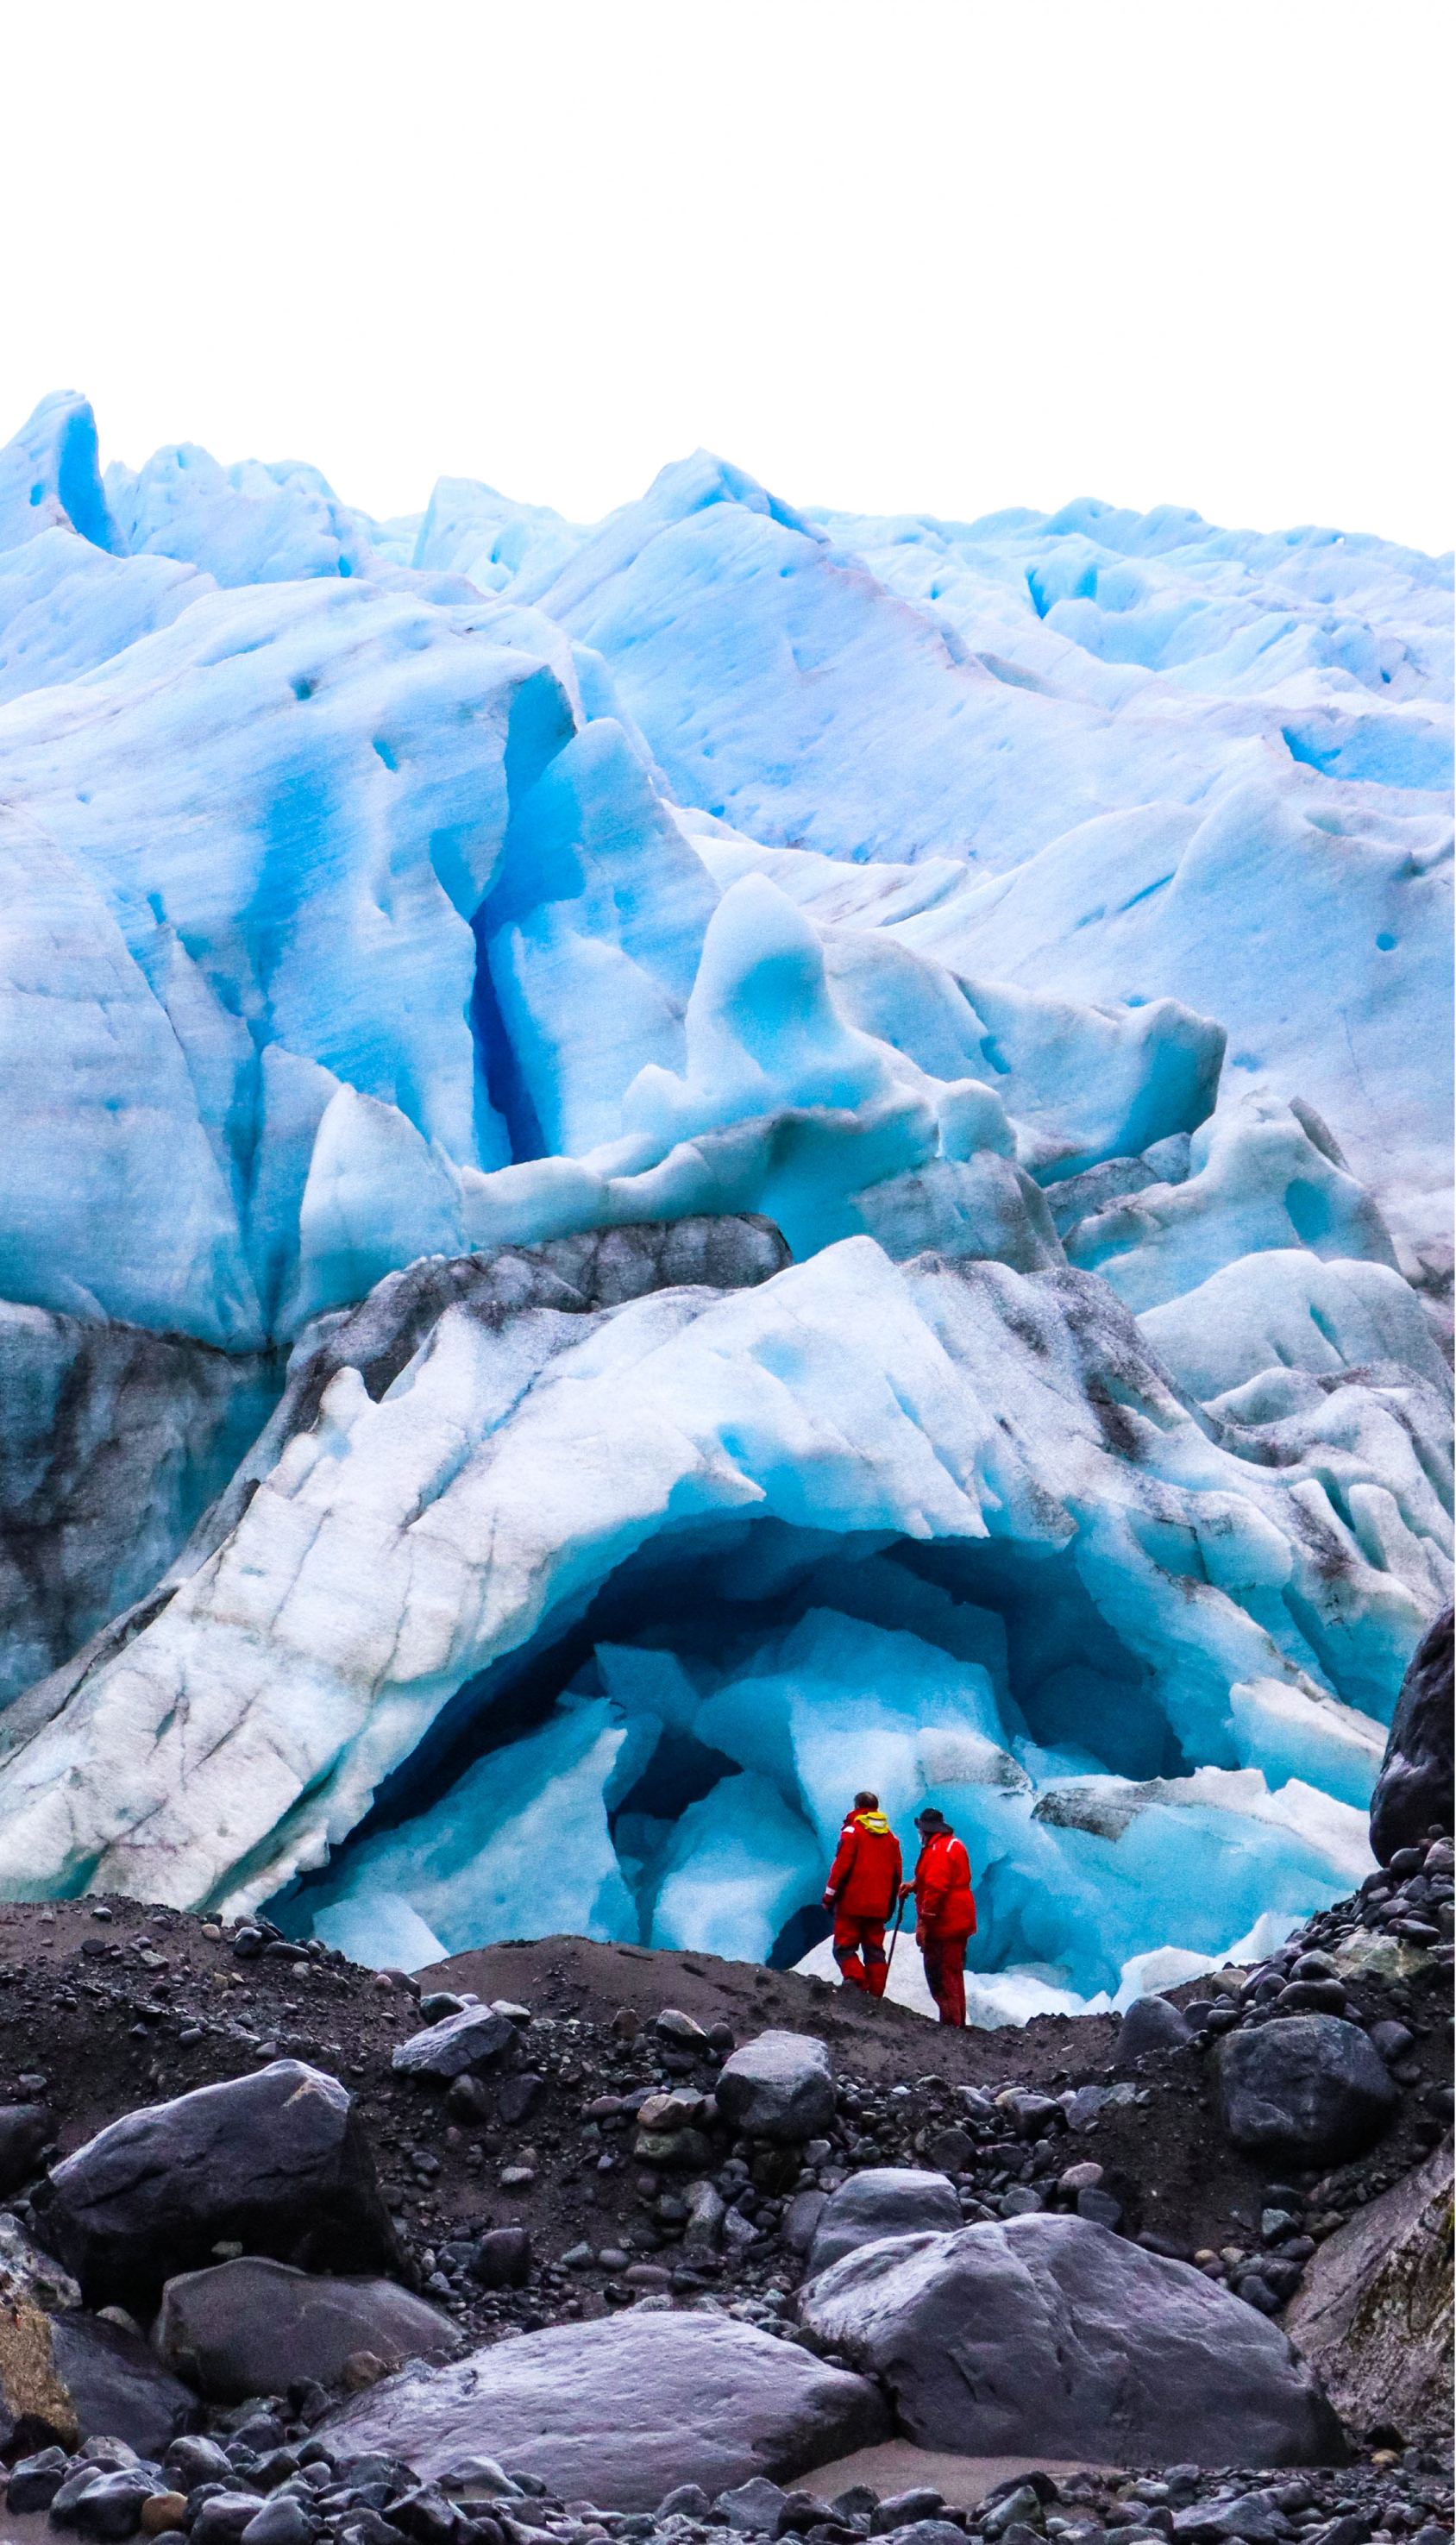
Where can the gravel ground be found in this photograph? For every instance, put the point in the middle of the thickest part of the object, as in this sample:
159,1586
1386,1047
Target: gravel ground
105,2004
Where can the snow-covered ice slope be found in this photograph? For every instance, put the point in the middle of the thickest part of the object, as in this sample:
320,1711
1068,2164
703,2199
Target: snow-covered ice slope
906,1062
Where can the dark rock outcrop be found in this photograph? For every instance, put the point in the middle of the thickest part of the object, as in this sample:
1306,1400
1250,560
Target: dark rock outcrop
1374,2315
1413,1790
112,1441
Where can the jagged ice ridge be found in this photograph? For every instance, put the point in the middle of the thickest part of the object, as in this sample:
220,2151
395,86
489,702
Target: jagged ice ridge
656,1169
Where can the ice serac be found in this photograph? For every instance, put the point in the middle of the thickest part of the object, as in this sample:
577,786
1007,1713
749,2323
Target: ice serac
65,606
593,930
50,478
1127,727
221,1031
645,1157
251,522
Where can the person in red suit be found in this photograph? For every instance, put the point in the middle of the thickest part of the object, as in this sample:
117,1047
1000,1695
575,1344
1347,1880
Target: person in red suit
863,1888
945,1911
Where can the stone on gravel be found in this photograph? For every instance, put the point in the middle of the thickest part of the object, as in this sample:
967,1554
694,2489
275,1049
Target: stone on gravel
36,2480
439,2003
801,2219
283,2520
1019,2202
707,2210
24,2131
1083,2106
110,2504
517,2096
1309,2087
620,2411
1255,2518
118,2388
751,2508
1046,2337
1151,2025
193,2460
884,2200
478,2479
1412,1791
275,2161
468,2100
1363,1956
502,2258
951,2151
1374,2315
1079,2178
674,2025
1312,1996
777,2086
459,2045
224,2518
1099,2206
164,2513
1392,2041
29,2276
899,2508
689,2500
255,2328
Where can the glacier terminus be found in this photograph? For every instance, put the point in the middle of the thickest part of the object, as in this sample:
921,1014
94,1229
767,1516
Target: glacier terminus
656,1169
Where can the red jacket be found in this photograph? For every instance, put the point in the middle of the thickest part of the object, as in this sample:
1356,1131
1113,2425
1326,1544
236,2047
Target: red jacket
945,1905
864,1876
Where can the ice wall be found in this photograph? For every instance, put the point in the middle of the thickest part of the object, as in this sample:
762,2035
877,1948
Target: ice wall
1032,933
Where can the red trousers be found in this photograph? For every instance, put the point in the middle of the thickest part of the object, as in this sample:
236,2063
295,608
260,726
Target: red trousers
944,1959
853,1936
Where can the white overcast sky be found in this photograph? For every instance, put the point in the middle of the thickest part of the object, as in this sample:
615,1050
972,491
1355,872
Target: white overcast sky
887,254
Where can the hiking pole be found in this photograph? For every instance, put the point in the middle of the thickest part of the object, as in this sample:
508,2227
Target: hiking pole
894,1940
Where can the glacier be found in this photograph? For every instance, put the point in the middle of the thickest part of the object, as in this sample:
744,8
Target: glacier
659,1167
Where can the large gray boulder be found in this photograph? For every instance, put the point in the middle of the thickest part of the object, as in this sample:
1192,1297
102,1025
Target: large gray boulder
275,2161
1374,2313
884,2200
461,2045
1151,2025
1412,1791
251,2327
1049,2336
1307,2087
777,2086
622,2411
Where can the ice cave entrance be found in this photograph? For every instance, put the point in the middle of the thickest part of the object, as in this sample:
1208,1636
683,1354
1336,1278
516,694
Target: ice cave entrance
670,1766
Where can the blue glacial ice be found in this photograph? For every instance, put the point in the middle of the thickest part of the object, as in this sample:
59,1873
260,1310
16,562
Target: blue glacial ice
436,948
